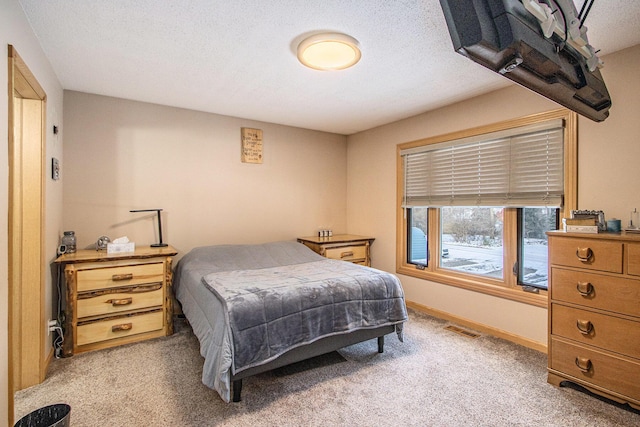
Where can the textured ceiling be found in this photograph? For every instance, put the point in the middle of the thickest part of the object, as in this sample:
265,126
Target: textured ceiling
237,57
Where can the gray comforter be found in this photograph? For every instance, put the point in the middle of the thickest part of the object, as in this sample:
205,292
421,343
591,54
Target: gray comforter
248,304
273,310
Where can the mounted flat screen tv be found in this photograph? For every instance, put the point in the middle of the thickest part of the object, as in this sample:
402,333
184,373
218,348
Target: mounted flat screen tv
540,45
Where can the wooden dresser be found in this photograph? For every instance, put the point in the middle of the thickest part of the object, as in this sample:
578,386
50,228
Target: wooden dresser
345,247
116,299
594,313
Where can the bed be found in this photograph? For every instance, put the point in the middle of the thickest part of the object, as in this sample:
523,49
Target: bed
255,308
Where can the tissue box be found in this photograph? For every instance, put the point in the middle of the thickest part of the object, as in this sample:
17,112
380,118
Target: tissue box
120,248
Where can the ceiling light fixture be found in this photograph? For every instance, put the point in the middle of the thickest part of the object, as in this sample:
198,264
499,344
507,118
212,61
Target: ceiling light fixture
329,51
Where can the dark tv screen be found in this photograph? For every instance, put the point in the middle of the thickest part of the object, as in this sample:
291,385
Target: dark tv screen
504,37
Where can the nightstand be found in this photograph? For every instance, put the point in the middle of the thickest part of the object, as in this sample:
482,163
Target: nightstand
345,247
115,299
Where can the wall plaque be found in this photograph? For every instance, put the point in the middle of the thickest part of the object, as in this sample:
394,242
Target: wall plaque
251,145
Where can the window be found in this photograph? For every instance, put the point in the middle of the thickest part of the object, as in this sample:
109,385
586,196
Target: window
472,238
418,246
534,223
474,205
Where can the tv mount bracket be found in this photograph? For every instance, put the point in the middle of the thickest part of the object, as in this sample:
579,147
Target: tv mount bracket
575,34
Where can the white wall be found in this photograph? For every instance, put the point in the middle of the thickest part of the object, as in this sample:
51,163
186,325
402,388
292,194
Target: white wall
608,173
122,155
15,30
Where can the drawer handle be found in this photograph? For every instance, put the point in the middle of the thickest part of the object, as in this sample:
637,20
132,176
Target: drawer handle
585,289
122,327
117,302
346,254
584,326
121,277
584,364
584,254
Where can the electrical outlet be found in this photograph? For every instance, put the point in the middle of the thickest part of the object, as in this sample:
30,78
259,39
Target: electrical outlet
51,326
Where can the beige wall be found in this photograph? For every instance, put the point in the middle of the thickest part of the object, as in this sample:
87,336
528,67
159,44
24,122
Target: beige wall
122,155
608,174
15,30
608,153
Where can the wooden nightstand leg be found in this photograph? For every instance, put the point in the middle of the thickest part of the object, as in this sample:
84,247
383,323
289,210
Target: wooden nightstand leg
169,296
70,282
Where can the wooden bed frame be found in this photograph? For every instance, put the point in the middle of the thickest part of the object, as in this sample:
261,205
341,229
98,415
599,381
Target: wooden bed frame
321,346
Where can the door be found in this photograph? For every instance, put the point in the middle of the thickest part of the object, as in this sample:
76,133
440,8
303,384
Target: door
27,332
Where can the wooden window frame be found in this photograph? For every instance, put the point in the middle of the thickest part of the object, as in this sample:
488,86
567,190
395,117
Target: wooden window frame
508,287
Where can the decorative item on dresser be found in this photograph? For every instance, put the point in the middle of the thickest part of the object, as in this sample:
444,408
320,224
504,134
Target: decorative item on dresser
594,313
116,299
345,247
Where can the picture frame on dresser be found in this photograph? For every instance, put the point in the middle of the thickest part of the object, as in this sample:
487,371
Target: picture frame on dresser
597,216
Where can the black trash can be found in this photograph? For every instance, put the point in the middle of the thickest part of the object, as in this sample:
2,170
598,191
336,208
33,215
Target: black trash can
50,416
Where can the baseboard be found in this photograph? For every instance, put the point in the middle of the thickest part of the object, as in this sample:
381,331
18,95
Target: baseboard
526,342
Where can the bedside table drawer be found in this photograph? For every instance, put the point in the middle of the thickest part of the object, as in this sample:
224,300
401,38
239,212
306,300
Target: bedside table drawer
99,303
111,277
111,328
347,253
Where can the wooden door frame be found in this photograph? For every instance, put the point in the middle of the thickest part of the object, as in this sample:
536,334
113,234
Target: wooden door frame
26,250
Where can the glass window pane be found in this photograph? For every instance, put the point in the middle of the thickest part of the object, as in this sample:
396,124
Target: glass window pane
471,240
535,223
417,252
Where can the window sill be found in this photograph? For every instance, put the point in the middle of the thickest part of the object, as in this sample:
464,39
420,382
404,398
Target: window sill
473,284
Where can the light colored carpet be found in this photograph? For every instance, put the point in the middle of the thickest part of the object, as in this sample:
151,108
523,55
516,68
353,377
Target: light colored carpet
435,378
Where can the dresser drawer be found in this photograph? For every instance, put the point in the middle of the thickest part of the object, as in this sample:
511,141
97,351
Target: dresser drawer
347,253
119,327
633,259
110,277
588,327
594,290
588,254
132,298
596,367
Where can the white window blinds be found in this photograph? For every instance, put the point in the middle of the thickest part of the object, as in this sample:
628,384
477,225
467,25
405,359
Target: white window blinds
515,167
